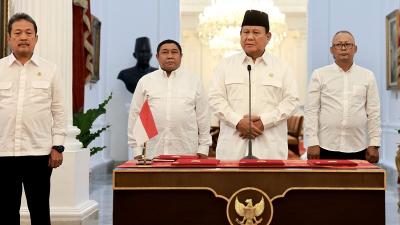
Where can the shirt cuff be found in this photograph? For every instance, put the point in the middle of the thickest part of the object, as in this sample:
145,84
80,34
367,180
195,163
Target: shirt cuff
268,120
58,139
137,151
203,149
312,141
234,119
375,142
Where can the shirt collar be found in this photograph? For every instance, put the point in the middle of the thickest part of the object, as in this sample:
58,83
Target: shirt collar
173,73
341,70
247,59
34,59
11,59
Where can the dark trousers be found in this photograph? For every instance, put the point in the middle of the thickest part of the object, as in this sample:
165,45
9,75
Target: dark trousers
34,174
326,154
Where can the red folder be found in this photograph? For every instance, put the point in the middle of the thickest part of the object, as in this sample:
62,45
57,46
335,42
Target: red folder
196,162
261,162
331,162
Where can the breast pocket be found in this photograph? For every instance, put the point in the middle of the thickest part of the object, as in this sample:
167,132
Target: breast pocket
271,91
359,92
185,98
236,88
5,92
40,90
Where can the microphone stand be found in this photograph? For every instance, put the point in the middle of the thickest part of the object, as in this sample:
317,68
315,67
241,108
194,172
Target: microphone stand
250,152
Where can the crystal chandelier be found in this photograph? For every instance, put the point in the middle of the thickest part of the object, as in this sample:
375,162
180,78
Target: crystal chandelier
219,24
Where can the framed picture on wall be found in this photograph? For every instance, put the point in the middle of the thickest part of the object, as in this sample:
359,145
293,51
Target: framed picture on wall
96,30
392,50
3,27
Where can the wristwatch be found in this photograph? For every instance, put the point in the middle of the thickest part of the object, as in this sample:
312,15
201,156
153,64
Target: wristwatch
58,148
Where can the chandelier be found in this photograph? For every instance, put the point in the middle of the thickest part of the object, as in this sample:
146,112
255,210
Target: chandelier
220,23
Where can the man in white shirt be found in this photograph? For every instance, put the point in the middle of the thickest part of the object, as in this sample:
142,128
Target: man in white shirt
274,96
33,122
179,106
342,113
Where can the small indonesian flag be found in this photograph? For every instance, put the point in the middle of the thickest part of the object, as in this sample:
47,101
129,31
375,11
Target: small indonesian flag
145,127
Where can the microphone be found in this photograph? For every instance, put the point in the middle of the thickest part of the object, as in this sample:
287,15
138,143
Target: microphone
250,152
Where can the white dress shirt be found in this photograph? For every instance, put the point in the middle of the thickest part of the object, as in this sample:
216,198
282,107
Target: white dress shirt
180,110
342,112
274,99
32,116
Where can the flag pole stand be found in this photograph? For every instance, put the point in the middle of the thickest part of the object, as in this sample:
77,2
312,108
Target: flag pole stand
144,160
144,154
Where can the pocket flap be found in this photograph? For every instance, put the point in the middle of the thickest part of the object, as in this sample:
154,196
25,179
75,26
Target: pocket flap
5,85
272,82
40,84
185,94
234,80
359,90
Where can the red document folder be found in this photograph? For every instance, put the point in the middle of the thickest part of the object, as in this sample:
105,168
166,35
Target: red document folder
331,162
261,162
196,162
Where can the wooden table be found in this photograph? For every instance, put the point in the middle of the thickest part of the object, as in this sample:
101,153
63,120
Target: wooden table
206,196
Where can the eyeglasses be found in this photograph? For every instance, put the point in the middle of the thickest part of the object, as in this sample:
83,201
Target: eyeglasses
339,46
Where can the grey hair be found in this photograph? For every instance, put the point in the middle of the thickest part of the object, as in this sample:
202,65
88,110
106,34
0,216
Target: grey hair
343,32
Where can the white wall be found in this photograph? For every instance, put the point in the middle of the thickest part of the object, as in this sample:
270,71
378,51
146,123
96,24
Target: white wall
366,20
122,22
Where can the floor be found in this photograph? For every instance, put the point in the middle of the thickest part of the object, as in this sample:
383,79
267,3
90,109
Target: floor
392,198
101,191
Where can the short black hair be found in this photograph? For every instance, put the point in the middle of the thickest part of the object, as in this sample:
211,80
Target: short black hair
169,41
20,16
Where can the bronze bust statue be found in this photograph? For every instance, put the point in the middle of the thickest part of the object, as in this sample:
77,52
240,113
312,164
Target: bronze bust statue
142,54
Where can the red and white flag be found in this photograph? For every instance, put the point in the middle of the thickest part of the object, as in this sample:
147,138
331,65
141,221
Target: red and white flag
145,127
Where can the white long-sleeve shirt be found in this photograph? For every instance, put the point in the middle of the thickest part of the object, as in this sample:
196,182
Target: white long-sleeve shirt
180,110
274,99
342,112
32,116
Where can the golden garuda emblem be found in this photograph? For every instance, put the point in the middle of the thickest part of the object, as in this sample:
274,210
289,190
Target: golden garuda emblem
249,212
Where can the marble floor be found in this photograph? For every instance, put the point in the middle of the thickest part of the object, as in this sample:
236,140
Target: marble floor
101,191
392,198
